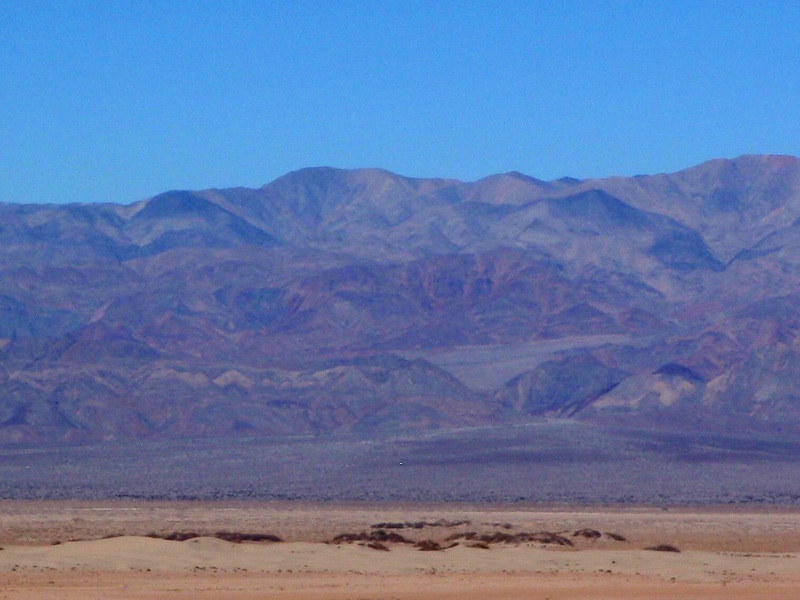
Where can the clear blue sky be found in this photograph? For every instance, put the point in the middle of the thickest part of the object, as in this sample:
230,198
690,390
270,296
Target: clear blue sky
120,100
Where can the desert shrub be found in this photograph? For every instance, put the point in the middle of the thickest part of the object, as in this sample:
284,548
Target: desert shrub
181,536
469,535
501,537
175,536
389,526
428,546
380,535
481,545
229,536
420,524
663,548
238,537
589,534
378,546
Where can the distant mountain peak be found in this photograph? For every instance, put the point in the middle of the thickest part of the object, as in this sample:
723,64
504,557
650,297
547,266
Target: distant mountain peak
362,300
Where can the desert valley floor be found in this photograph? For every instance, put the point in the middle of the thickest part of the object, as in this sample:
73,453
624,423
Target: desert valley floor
117,549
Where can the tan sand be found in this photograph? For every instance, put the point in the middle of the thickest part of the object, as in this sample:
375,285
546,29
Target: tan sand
738,554
113,586
700,528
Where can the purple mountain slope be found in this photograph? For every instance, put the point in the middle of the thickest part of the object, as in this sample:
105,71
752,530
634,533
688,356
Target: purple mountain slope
334,300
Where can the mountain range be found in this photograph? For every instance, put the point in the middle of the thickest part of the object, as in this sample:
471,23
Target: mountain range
334,300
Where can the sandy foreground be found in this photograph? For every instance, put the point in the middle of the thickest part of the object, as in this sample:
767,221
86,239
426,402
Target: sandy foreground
724,553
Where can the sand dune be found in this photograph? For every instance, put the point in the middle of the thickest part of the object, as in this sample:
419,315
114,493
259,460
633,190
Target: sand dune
140,553
133,566
136,567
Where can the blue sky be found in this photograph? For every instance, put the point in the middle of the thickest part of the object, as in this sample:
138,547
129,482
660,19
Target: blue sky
118,101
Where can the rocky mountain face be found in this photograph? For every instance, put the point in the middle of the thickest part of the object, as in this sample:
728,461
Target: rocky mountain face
333,300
